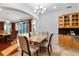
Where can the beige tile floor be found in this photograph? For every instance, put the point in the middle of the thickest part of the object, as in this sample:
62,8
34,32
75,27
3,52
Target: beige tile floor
70,52
57,51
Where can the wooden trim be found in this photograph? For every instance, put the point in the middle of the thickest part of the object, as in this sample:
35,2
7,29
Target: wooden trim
30,25
2,26
13,26
23,20
69,13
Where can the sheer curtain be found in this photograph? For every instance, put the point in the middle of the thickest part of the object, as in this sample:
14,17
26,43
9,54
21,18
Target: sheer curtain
7,27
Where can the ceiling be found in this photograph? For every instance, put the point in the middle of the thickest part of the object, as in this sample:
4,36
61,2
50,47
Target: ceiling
50,6
12,15
15,15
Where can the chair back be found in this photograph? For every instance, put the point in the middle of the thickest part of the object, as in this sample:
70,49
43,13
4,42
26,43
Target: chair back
24,44
50,38
14,34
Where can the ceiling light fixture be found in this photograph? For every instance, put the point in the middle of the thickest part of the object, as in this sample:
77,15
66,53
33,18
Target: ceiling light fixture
36,7
39,9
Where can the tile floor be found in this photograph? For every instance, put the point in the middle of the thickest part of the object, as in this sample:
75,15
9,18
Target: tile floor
57,51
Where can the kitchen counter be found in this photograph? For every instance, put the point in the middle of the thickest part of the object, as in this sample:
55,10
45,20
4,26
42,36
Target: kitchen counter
75,37
69,40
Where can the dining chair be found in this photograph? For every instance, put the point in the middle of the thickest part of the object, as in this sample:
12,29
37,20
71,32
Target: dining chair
12,36
1,39
47,44
26,48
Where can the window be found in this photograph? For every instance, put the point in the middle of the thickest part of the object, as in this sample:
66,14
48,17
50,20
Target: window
7,27
22,27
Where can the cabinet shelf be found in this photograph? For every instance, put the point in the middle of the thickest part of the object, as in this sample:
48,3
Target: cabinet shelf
70,20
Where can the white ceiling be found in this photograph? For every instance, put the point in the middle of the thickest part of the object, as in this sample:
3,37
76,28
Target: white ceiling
50,6
12,15
15,15
40,4
59,6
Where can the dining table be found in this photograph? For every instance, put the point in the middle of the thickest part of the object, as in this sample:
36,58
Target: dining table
38,38
5,36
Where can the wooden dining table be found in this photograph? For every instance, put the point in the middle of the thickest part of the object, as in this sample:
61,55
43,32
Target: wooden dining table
5,36
38,38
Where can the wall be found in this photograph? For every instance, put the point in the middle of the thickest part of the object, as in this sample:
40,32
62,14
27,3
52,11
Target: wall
49,21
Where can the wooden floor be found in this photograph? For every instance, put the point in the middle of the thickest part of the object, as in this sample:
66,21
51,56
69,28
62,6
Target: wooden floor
7,49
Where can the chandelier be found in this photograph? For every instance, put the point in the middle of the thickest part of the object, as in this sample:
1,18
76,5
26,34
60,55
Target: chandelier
39,10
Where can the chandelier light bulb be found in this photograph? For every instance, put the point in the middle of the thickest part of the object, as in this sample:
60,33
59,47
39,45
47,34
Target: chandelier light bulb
44,9
41,7
36,7
35,11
